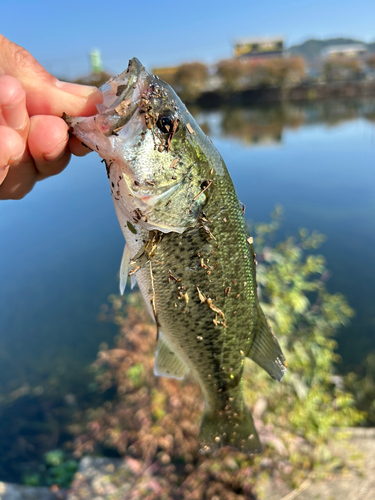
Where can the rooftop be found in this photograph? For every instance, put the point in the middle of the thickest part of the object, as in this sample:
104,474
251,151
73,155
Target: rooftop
259,39
334,49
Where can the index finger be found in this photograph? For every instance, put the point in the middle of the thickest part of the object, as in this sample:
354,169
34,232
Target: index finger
45,94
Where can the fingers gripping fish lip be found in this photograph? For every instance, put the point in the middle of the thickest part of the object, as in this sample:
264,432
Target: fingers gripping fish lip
121,99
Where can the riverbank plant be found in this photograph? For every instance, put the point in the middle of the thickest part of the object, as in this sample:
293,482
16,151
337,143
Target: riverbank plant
154,422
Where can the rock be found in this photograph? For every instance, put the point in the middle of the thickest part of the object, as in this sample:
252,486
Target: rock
106,479
10,491
101,479
358,485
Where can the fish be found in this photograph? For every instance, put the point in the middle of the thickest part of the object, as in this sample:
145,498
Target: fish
187,246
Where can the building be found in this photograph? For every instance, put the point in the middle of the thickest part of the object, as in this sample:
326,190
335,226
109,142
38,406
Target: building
259,47
351,51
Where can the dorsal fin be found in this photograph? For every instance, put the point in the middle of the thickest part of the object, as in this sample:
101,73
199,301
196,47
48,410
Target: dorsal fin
167,362
265,349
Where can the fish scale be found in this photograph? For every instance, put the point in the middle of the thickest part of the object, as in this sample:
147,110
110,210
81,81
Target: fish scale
213,350
188,246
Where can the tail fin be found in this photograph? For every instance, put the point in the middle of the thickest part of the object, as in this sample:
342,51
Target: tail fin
225,429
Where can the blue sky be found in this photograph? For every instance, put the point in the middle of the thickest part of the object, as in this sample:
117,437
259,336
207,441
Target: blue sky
61,34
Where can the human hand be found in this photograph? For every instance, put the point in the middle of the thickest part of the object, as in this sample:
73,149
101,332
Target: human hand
34,141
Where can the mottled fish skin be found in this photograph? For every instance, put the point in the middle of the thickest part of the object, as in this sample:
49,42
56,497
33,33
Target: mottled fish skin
191,249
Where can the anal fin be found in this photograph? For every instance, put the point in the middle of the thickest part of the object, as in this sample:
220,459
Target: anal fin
265,349
167,362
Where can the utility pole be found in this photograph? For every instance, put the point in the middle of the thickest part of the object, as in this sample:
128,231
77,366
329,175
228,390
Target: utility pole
96,61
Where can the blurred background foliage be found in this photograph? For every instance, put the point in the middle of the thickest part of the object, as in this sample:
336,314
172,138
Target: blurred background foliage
188,79
238,74
155,421
57,469
343,69
191,80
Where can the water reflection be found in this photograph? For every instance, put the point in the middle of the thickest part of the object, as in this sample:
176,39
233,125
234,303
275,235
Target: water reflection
323,174
266,125
260,125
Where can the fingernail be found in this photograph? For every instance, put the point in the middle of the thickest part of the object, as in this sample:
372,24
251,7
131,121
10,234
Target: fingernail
76,89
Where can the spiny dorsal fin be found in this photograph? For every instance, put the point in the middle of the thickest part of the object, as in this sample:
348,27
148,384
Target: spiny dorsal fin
124,268
265,349
167,363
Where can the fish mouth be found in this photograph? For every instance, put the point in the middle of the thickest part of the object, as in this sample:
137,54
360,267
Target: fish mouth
122,86
129,78
121,97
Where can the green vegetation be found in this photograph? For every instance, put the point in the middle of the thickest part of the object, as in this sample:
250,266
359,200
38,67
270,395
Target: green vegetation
362,385
57,469
155,421
305,316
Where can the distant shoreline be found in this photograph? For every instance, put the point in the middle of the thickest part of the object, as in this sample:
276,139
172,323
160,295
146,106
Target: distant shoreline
302,92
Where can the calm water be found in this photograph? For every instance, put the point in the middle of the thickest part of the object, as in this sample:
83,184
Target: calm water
60,247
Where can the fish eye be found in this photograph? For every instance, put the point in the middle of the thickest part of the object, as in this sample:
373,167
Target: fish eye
165,122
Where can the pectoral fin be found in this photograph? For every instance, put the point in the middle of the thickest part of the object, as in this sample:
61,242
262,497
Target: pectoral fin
133,281
265,349
138,262
124,268
167,363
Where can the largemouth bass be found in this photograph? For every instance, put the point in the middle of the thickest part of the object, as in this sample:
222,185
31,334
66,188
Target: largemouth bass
187,245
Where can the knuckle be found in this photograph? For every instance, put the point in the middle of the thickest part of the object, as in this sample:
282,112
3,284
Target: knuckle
13,54
22,58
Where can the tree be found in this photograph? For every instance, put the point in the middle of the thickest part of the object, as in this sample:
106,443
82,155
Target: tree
190,79
232,72
277,72
341,68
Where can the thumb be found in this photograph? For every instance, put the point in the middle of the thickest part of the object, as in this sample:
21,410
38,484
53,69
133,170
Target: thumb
45,94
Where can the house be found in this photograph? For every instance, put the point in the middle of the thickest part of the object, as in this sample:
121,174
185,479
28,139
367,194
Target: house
351,51
259,47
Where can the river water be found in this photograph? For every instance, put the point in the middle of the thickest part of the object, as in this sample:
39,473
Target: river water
61,246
